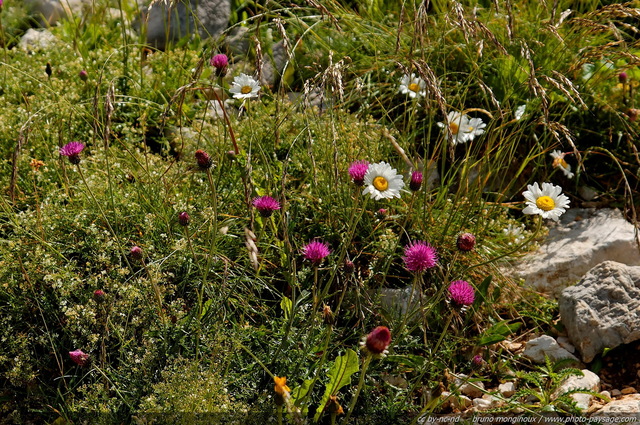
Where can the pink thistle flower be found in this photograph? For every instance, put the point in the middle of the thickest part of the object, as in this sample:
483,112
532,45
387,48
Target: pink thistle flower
79,358
416,181
419,256
477,360
377,341
266,205
72,151
220,62
99,295
461,293
204,159
315,251
466,242
136,253
84,75
184,219
622,77
357,171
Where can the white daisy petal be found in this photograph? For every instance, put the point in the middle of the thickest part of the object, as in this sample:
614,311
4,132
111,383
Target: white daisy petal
412,86
382,181
548,202
244,87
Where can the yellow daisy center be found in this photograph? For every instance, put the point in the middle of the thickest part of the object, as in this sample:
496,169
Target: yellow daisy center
454,128
560,162
245,89
381,183
545,203
414,87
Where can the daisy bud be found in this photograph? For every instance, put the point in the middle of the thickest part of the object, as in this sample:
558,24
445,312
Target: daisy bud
99,295
203,159
622,77
378,340
136,253
79,358
466,242
184,219
416,181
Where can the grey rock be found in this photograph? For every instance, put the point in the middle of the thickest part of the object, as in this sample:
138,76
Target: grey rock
34,40
537,348
399,302
170,22
473,389
564,342
507,389
49,12
628,407
583,239
273,67
481,404
454,402
589,380
603,309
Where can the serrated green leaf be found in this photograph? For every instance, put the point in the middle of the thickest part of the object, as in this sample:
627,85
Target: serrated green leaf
286,305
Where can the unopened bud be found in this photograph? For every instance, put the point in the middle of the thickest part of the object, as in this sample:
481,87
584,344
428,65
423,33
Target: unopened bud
466,242
184,219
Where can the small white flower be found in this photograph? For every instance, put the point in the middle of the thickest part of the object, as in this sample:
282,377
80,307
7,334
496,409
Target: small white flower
382,181
413,86
458,126
475,128
244,87
520,111
558,161
548,202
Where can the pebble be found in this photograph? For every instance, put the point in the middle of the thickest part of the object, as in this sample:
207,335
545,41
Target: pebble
615,393
628,390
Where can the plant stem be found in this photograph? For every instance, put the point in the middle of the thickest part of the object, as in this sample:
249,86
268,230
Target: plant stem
352,404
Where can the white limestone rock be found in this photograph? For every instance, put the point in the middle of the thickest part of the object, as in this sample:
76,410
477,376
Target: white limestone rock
34,40
507,389
49,12
603,309
473,389
581,240
627,407
589,380
537,348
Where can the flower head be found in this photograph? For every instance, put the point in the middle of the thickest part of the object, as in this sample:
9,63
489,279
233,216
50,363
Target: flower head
412,86
203,159
84,75
220,62
266,205
419,256
520,110
377,342
382,181
316,251
244,87
184,219
99,295
461,293
475,128
136,252
72,151
477,360
357,171
466,242
559,162
79,358
281,389
622,77
416,181
548,201
457,124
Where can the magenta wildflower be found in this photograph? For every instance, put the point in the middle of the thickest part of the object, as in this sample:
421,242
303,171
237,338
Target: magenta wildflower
419,256
377,341
477,360
357,171
466,242
622,77
461,293
315,251
99,295
84,75
72,150
79,358
266,205
136,253
184,219
416,181
204,159
220,62
349,267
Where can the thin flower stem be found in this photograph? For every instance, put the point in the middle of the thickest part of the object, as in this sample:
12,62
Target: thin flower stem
156,290
279,414
352,404
444,331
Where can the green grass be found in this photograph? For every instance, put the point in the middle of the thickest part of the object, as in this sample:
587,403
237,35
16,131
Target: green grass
199,327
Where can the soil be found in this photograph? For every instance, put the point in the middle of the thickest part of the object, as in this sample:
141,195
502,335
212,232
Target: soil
620,367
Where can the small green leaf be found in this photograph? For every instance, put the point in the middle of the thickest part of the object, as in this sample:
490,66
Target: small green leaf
339,376
286,305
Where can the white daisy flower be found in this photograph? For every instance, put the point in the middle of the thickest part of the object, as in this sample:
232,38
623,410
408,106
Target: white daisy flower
558,161
244,87
548,202
458,126
475,128
520,110
413,86
382,181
